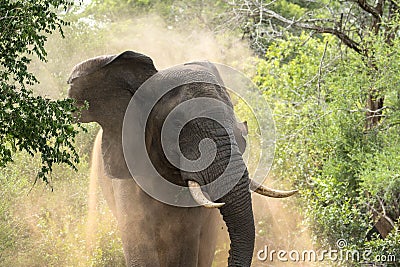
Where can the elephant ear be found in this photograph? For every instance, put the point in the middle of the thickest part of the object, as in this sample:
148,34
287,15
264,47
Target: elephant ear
243,128
240,131
94,64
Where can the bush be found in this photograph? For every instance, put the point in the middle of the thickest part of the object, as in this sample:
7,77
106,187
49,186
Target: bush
47,225
345,172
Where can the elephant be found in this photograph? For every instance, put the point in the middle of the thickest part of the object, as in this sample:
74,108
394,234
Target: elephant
155,233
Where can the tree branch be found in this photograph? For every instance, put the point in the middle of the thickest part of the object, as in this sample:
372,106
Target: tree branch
368,8
319,29
379,7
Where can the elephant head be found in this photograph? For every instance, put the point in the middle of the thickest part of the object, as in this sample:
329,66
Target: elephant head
108,83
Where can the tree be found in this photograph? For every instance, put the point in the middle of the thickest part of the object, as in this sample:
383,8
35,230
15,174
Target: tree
28,122
359,24
330,70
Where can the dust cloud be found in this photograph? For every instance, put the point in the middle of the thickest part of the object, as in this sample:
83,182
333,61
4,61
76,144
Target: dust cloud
167,47
148,35
95,172
279,226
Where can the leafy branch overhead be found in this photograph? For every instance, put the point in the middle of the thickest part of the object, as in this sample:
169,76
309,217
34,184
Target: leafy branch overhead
32,123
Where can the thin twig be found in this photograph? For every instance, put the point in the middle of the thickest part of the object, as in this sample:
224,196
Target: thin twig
305,126
320,71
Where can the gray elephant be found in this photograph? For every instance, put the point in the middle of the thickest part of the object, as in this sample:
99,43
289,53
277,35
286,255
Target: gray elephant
155,233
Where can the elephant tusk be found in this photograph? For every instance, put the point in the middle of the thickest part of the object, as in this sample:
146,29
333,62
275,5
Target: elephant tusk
200,198
269,192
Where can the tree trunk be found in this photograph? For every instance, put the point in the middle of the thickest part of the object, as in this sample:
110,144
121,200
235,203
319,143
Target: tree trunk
374,110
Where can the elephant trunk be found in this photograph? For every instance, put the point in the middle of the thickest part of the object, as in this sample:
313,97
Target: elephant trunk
226,180
238,216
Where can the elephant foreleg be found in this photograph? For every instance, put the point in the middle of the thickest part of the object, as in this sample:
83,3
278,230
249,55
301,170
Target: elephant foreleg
136,229
178,235
208,239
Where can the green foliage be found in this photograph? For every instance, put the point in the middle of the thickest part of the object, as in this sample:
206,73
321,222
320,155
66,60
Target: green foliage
263,30
32,123
179,14
43,228
344,171
114,8
386,251
291,9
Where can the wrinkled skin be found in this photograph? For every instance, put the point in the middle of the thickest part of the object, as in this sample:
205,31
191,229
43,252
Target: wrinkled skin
153,233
